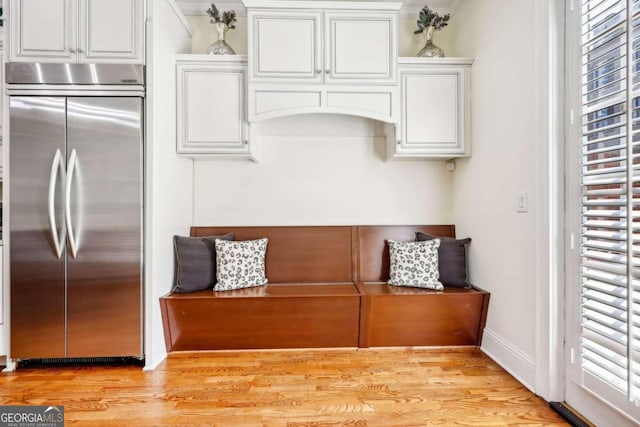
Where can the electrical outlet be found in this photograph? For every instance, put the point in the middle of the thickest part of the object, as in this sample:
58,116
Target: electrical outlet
522,202
451,166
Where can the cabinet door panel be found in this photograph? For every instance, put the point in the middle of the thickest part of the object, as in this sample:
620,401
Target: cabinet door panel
213,98
435,112
285,45
43,30
361,48
111,31
432,120
211,110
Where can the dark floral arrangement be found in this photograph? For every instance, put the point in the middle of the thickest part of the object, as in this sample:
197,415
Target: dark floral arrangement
228,18
429,18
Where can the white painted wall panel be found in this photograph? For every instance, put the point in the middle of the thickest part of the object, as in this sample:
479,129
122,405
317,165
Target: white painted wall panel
502,257
337,177
169,190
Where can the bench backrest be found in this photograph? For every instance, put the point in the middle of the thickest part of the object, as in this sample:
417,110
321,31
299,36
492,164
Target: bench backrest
372,251
328,254
298,254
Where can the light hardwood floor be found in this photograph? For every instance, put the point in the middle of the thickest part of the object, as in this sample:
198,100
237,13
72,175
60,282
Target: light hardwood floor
382,387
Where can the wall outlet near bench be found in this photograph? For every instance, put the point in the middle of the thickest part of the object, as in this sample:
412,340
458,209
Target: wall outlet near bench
522,204
451,165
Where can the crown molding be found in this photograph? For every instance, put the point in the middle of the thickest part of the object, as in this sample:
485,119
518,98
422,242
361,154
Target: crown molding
199,7
410,8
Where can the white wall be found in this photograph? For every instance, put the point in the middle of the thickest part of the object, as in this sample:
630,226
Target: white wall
204,33
169,185
503,253
336,177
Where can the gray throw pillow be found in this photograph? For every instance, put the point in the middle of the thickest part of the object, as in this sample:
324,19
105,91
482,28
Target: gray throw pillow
452,259
195,262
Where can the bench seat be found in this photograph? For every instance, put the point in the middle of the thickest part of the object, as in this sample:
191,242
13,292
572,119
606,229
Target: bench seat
275,316
401,316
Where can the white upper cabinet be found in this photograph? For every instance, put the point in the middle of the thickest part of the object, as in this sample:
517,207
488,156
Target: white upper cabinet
211,107
77,31
111,31
322,42
43,30
362,47
435,109
286,46
336,57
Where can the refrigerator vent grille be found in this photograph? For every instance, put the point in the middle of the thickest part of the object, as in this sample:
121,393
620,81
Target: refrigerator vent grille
71,361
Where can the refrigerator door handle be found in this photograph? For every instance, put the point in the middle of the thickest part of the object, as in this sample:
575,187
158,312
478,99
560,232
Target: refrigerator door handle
73,244
58,240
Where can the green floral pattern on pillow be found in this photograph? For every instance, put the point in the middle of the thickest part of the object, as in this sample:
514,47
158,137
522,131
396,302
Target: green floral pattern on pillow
414,264
240,264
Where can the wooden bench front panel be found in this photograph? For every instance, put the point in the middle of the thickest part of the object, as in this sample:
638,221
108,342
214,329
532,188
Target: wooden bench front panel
288,316
399,316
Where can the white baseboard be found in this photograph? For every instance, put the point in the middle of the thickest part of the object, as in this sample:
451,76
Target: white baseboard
151,363
511,358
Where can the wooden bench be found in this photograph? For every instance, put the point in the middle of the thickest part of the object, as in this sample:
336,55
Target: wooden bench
326,289
403,316
310,301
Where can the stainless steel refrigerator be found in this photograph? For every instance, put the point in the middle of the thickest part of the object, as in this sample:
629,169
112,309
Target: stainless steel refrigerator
76,200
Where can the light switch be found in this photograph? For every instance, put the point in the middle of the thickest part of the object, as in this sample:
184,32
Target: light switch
522,203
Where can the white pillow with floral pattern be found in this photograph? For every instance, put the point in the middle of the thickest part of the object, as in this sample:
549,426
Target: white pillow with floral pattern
240,264
414,264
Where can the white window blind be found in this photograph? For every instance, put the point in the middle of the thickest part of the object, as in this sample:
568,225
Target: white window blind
610,204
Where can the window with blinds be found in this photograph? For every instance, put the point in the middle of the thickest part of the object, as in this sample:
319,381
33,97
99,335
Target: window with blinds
610,205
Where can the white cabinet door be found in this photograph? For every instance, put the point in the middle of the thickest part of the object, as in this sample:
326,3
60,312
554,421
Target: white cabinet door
211,109
361,48
431,110
43,30
435,109
111,31
285,46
